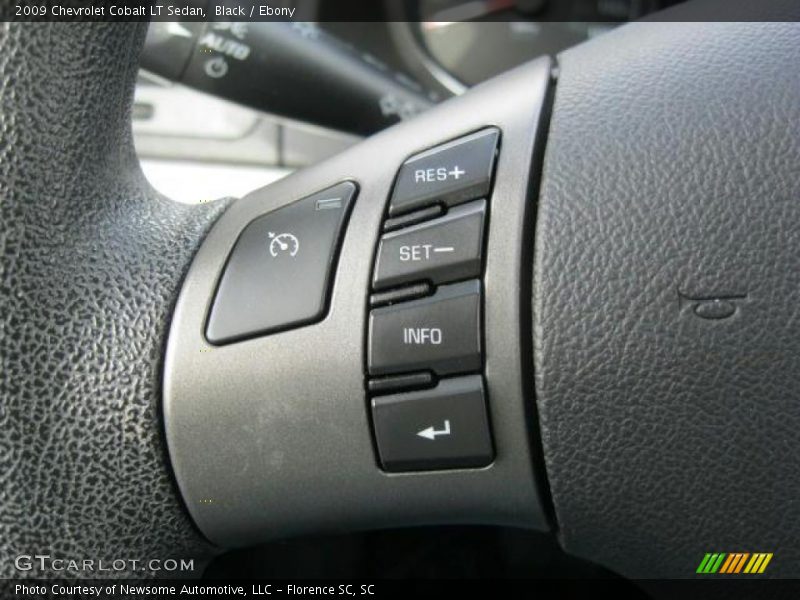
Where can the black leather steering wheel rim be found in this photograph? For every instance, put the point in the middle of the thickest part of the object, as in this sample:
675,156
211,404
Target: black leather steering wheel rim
93,260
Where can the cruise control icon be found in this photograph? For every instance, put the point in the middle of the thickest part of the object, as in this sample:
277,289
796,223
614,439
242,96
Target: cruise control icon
283,243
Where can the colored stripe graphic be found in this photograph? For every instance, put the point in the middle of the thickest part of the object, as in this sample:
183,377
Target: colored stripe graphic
734,563
716,565
703,563
764,564
755,562
727,564
711,563
758,563
740,563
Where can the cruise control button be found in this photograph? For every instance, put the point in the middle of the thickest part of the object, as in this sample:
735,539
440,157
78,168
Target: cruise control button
440,332
442,428
452,173
445,249
280,270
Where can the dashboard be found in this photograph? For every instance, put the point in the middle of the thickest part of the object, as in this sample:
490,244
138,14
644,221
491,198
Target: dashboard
455,34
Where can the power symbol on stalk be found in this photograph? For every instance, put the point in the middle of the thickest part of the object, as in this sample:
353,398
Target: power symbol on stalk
283,243
216,67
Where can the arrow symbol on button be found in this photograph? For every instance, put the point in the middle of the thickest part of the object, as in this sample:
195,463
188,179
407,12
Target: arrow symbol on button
431,433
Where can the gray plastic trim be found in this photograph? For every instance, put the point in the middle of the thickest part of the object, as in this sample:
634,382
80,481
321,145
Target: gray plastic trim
270,437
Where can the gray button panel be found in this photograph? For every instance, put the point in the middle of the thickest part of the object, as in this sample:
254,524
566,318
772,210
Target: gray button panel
279,273
436,336
455,172
442,428
440,333
445,249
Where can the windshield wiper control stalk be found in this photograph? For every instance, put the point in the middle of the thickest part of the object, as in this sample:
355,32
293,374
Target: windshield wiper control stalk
295,70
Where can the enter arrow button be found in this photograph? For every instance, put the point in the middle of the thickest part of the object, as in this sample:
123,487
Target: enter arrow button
445,427
431,433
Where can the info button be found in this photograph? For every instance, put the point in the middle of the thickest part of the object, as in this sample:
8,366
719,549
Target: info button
439,333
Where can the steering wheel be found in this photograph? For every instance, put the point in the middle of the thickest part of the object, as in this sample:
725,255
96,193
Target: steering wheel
626,375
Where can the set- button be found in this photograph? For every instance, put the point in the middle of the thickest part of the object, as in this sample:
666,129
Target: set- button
444,249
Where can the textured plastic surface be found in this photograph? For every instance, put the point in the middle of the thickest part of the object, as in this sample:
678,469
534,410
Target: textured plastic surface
92,261
671,180
271,437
